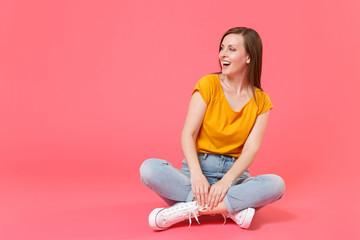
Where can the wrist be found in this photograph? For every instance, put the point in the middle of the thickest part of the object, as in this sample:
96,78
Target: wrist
196,172
228,180
195,169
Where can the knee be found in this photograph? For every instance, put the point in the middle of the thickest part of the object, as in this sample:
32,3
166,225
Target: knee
277,185
149,167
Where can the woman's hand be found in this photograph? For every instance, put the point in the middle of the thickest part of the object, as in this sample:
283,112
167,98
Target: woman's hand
200,187
217,193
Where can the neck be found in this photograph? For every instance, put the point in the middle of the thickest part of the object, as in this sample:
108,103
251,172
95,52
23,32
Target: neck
237,83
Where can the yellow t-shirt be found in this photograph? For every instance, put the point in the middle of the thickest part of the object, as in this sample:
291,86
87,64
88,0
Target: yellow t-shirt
223,130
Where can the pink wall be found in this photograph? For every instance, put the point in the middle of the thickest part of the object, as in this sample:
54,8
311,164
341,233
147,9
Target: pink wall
89,89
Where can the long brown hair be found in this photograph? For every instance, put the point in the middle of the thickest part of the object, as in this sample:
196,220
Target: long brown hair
253,47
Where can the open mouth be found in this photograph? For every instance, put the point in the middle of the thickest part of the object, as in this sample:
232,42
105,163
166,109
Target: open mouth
226,64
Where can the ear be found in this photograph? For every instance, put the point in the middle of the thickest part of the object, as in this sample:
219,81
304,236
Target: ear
247,58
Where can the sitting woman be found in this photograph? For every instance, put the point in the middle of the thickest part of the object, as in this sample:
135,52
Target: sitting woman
223,130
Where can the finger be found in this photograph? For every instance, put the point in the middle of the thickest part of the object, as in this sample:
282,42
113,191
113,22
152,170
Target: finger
217,197
201,202
206,195
210,197
212,200
222,196
193,191
199,195
196,194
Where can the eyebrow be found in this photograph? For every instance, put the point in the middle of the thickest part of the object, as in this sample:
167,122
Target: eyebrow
231,45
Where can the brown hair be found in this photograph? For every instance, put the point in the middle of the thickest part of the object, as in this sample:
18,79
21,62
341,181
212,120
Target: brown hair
253,47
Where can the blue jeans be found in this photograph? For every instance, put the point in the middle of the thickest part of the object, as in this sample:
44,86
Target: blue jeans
173,185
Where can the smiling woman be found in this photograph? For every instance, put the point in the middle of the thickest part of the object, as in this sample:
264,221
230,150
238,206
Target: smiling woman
233,56
223,130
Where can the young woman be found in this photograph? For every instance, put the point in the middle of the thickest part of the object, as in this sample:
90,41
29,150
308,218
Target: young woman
223,130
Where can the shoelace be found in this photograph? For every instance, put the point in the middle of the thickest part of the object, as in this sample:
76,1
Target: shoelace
192,211
196,218
224,215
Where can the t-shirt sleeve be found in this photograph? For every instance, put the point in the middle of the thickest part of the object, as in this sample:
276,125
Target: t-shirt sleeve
205,88
265,104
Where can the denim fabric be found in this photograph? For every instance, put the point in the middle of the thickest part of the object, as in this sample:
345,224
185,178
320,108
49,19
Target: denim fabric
173,185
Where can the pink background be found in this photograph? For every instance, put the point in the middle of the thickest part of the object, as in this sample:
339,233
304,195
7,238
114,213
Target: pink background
90,89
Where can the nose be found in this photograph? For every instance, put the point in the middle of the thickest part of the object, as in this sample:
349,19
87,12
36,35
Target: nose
222,54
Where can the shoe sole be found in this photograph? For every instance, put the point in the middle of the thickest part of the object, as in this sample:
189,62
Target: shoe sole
250,212
152,219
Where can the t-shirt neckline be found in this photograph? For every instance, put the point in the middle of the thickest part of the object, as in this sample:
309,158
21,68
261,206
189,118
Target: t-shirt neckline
227,103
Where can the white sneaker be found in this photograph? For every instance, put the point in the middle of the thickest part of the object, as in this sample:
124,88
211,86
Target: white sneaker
162,218
242,218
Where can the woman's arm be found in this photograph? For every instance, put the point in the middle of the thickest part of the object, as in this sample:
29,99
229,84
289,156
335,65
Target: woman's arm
251,147
197,108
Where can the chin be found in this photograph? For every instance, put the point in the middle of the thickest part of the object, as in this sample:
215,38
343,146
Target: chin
225,73
230,73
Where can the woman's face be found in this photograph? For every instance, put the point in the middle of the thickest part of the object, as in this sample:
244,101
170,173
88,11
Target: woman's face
232,55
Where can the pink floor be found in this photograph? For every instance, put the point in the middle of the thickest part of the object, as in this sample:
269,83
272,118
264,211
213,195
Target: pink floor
111,208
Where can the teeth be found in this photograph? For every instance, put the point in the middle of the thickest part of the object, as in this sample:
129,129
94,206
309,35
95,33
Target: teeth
226,63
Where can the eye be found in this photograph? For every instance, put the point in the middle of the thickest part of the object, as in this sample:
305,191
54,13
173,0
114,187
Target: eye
232,49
